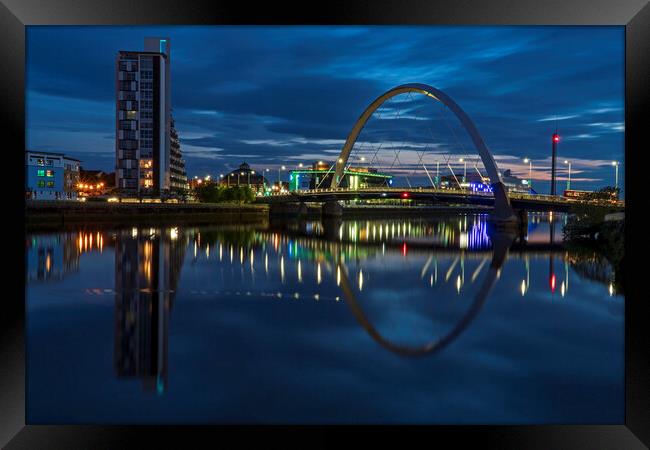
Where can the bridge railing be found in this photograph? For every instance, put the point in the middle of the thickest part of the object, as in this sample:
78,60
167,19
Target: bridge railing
460,192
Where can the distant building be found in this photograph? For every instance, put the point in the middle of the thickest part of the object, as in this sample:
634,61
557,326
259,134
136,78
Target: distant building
514,183
143,120
320,175
245,176
51,176
480,183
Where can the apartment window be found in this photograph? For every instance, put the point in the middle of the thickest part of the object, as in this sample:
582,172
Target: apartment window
41,183
147,95
49,173
131,115
146,63
146,85
146,143
147,104
40,161
50,184
50,162
128,144
128,134
145,125
128,85
146,115
129,95
127,124
146,134
41,172
147,75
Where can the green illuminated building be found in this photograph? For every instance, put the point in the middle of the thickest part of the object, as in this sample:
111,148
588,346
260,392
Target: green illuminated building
320,176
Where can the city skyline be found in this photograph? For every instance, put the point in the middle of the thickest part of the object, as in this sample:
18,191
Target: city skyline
274,96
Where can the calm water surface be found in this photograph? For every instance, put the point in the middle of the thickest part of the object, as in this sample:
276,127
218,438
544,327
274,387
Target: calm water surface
359,321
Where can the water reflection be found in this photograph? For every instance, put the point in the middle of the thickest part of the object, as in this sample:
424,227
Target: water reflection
148,265
413,286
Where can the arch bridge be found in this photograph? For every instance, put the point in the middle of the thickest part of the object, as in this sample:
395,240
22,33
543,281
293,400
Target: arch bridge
502,202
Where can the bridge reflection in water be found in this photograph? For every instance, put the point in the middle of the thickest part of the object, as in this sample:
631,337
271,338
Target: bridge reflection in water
340,261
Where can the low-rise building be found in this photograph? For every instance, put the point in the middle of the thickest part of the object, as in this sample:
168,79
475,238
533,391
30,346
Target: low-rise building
320,174
245,176
51,176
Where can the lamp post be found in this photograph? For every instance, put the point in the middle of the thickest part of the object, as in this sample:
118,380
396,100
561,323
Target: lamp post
239,173
464,169
568,181
279,180
530,172
615,164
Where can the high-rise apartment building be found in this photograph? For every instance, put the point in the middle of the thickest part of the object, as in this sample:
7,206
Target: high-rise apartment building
143,119
178,175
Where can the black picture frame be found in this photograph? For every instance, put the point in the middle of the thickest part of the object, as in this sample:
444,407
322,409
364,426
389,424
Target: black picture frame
633,14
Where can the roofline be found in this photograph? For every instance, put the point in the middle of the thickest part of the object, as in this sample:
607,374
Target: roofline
53,154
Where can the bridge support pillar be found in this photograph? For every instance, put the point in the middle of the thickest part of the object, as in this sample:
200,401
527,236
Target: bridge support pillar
503,216
332,208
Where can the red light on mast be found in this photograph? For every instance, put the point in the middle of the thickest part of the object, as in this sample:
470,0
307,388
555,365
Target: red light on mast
405,195
553,283
556,137
404,249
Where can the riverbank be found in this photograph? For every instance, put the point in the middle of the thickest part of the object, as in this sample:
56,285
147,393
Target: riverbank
57,214
604,234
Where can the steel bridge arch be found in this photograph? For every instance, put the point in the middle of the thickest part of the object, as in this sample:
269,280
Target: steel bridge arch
502,207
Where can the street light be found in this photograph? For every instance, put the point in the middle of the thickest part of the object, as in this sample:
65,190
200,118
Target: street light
530,172
279,181
568,182
464,169
615,164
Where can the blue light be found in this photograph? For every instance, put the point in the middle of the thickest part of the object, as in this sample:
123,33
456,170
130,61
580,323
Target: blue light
163,44
480,187
390,181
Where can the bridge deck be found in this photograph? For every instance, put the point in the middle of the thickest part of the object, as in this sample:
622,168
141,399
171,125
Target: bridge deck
517,200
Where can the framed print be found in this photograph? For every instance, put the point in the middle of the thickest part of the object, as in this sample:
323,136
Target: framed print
268,222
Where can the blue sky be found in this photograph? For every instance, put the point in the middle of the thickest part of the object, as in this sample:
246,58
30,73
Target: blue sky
285,95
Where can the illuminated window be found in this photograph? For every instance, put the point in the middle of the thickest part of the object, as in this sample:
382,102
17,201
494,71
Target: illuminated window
41,184
50,184
131,115
41,173
49,173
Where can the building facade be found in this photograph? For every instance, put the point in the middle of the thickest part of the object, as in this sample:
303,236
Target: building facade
177,175
143,119
51,176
